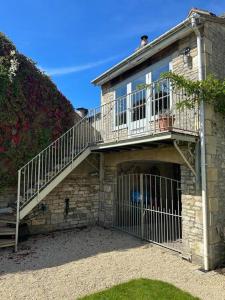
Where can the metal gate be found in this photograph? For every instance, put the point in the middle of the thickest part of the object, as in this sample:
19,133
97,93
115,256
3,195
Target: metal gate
149,206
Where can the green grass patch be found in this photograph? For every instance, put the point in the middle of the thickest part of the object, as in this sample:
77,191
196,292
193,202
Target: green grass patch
143,289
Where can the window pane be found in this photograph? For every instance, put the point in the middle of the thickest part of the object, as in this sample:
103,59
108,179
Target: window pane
158,71
121,105
138,82
138,99
121,91
160,91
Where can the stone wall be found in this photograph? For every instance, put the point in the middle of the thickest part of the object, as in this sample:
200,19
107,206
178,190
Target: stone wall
192,226
106,200
73,203
214,54
8,196
214,49
188,70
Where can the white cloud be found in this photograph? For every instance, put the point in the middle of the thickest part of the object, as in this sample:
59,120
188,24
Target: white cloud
74,69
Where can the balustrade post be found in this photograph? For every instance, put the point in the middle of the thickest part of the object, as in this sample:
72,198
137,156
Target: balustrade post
73,132
142,204
18,210
39,167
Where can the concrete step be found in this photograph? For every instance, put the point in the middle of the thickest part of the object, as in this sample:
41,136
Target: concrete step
7,231
7,243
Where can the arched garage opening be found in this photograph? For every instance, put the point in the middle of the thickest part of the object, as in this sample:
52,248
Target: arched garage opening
148,202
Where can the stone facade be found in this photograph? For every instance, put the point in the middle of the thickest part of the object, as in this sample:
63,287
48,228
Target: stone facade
215,168
106,201
73,203
192,225
8,196
213,59
183,119
214,41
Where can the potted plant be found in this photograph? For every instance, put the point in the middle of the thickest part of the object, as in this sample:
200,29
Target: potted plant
166,120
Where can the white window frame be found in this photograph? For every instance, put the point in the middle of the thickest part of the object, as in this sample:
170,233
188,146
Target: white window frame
148,72
125,125
158,64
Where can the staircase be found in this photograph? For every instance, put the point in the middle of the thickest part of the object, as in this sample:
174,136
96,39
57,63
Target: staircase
44,172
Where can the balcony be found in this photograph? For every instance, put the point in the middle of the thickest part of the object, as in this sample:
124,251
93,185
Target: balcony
149,113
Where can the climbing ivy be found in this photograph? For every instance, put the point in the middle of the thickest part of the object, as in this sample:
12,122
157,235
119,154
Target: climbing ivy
211,90
33,112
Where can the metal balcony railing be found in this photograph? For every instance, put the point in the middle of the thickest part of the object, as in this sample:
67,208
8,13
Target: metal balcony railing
151,110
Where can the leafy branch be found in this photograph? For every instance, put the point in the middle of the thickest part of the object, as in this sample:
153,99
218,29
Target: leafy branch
211,90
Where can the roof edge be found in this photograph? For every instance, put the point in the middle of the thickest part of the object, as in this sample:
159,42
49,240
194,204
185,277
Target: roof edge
98,80
147,51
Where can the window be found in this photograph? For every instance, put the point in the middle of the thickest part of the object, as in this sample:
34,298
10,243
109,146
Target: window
160,91
121,105
138,99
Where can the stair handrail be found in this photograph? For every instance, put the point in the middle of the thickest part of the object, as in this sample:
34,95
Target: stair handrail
93,125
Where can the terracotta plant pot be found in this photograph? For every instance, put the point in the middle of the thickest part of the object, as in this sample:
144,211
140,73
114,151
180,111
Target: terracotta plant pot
166,123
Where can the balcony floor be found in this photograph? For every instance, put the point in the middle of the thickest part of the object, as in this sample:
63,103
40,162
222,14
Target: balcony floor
140,142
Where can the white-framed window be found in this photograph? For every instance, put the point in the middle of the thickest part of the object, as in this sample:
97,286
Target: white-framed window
121,106
134,106
161,98
138,99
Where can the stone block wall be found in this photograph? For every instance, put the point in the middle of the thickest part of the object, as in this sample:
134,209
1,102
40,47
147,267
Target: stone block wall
214,54
8,196
107,192
188,70
192,225
215,174
73,203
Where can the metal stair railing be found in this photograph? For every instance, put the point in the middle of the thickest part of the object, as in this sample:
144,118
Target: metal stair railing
44,167
35,175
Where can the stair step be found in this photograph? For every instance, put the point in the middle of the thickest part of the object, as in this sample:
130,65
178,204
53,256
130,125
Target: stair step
7,243
8,218
7,231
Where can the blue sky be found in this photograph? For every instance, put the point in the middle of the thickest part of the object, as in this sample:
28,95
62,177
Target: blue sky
76,40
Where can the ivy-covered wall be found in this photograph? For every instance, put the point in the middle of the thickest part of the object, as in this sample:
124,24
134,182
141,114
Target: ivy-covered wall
33,112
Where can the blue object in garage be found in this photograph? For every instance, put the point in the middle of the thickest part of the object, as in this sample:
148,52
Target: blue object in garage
135,196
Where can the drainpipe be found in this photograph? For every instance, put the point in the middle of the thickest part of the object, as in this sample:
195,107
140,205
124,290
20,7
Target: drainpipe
194,25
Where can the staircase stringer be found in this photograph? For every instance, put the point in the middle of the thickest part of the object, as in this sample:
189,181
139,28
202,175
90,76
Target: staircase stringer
55,182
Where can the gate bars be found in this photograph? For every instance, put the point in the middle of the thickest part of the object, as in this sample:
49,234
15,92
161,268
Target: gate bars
149,207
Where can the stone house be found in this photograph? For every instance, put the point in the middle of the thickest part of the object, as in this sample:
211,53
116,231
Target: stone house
139,163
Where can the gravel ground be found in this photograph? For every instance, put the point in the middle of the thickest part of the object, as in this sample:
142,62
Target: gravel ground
66,265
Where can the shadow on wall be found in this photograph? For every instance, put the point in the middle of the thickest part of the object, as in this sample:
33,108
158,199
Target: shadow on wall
56,249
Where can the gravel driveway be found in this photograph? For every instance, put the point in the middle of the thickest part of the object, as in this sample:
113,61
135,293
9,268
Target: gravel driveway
66,265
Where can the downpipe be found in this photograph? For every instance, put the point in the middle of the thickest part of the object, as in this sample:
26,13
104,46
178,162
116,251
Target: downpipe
194,25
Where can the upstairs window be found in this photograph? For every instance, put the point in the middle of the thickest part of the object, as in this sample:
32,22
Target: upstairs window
138,99
160,91
121,106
